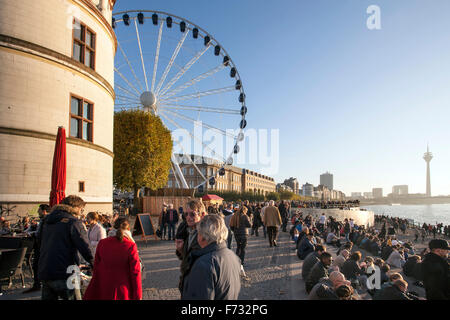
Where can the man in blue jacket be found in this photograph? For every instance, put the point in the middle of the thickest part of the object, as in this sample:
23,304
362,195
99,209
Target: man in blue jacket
62,237
214,272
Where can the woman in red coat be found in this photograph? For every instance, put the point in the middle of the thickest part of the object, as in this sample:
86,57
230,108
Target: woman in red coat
117,270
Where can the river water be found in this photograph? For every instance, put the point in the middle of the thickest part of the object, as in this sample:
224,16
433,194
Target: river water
428,213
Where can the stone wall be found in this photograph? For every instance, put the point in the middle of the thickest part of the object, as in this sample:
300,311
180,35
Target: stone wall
360,217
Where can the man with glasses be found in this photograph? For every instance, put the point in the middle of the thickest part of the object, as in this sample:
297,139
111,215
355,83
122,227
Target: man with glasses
188,243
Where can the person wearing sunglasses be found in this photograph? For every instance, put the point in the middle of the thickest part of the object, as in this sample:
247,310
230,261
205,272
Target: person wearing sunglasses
188,243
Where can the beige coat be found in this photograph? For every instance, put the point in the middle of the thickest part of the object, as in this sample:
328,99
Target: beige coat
272,217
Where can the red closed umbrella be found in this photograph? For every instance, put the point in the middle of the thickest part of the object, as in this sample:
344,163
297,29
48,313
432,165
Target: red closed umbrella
59,169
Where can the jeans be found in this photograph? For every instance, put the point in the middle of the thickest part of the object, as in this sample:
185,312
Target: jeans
264,230
54,289
164,230
240,250
171,230
347,237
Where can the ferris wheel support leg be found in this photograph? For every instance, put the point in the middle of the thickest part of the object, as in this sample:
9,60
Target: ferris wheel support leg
178,173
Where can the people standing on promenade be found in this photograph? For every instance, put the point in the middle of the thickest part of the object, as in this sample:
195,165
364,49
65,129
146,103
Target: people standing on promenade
43,211
435,271
163,223
213,271
257,221
272,221
171,220
95,232
284,215
117,268
228,214
186,238
347,229
239,224
62,236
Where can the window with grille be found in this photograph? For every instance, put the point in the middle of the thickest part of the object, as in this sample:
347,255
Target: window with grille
81,124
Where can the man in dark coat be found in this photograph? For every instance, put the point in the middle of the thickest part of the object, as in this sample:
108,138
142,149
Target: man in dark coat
319,271
214,272
311,260
435,271
62,236
305,247
186,238
395,291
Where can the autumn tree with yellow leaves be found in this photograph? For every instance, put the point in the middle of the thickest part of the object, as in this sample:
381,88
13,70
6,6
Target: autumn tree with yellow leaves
142,151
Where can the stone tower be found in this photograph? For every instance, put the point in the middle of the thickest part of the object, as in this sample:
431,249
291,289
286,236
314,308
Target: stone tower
427,157
56,69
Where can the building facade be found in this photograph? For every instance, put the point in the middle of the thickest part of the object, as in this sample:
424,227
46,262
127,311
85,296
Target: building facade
257,183
377,193
400,190
293,184
56,69
326,179
308,190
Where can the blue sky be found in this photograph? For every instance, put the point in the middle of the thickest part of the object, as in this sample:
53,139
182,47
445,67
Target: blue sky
359,103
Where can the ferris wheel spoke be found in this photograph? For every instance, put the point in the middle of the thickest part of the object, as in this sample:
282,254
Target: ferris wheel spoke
129,64
193,81
125,91
199,108
140,51
132,99
184,69
198,94
172,60
125,79
158,46
176,178
190,160
190,134
186,118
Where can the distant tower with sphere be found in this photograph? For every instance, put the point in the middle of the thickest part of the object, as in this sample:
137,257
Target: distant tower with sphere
427,157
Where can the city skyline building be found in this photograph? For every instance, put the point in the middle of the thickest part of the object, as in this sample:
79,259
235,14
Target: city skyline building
400,190
377,193
427,157
326,179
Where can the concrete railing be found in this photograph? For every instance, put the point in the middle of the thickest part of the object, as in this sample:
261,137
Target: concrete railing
360,217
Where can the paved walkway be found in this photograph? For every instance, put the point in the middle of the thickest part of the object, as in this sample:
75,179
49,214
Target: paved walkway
272,273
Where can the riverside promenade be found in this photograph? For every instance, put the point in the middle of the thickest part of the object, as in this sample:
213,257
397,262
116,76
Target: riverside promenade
271,273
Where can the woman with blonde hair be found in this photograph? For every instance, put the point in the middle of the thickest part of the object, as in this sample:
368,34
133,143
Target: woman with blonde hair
117,270
239,224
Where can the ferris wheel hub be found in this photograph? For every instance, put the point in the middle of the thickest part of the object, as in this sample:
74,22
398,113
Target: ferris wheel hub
148,100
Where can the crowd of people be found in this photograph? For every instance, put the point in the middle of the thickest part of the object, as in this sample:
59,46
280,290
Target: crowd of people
103,248
332,204
384,252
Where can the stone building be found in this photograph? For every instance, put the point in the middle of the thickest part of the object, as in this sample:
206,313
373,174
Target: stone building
257,183
56,69
293,184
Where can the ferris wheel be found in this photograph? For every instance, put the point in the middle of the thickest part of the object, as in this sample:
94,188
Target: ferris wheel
171,67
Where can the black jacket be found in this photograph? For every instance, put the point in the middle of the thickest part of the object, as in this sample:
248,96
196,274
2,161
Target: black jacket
351,269
436,277
391,292
244,224
317,272
309,263
62,236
